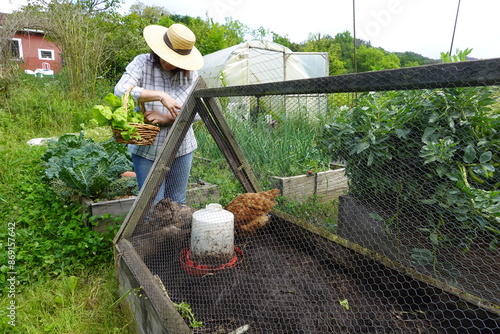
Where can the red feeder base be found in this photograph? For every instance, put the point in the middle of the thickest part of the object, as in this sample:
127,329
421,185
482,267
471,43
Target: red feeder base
197,269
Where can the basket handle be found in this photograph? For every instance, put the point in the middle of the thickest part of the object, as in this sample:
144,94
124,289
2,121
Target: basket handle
126,97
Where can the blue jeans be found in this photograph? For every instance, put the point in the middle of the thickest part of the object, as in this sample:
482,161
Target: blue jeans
176,182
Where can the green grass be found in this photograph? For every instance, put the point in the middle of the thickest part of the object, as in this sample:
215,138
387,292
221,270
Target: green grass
41,107
313,211
83,303
288,148
64,279
53,236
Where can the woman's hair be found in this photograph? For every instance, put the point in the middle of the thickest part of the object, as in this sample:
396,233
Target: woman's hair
156,63
156,59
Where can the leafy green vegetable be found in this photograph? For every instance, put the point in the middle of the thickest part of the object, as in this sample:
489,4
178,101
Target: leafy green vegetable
113,100
86,168
102,114
444,168
119,114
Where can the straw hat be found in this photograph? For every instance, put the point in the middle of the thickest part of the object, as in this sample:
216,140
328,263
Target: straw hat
174,45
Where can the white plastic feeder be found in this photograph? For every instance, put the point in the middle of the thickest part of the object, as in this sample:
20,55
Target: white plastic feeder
212,235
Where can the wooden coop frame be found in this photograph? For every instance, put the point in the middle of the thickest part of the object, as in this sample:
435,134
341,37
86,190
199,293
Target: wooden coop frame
145,295
158,310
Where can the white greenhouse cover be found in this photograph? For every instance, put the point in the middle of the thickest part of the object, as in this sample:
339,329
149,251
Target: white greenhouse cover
260,62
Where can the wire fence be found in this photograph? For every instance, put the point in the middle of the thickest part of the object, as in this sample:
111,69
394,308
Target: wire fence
387,218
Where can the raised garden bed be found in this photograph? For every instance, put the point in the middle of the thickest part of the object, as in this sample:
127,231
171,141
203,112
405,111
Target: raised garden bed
327,185
116,207
198,194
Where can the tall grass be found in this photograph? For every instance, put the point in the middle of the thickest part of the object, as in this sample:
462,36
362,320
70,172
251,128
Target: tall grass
285,148
41,107
83,303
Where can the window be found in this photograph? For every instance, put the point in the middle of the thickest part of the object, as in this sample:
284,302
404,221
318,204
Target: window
16,49
45,54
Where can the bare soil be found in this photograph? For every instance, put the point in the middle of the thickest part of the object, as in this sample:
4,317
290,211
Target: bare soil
292,281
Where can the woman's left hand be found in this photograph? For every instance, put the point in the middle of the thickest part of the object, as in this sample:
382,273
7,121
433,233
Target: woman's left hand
170,103
157,118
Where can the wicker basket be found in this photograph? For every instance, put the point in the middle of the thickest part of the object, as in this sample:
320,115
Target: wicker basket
147,132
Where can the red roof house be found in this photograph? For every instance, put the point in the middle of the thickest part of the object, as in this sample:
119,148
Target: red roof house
35,52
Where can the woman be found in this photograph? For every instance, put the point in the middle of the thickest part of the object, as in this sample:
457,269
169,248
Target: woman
162,80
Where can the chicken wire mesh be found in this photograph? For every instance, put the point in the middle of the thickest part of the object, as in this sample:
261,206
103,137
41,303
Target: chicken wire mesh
363,203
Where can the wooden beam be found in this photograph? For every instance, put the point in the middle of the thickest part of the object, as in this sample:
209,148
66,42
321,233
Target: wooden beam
145,294
161,165
223,136
449,75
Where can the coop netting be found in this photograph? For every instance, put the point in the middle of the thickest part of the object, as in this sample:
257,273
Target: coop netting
387,221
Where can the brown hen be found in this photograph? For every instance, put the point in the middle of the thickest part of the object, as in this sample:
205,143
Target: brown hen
250,209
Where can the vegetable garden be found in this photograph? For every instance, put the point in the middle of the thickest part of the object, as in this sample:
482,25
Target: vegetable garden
411,246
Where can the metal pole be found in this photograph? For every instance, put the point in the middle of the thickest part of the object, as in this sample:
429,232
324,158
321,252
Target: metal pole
354,32
454,29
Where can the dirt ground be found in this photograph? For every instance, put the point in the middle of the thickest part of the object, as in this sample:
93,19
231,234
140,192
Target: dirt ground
291,281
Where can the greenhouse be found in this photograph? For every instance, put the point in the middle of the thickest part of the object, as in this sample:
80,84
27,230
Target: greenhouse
264,62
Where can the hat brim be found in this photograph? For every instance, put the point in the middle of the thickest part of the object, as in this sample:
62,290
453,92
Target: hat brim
153,34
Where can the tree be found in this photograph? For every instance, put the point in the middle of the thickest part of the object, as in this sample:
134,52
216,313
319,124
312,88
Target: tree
148,14
375,59
218,37
124,43
346,44
285,41
409,59
83,36
89,6
318,43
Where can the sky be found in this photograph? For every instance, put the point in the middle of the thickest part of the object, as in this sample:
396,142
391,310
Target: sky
425,27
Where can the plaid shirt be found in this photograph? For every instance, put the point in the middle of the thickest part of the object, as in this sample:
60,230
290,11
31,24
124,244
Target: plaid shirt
143,75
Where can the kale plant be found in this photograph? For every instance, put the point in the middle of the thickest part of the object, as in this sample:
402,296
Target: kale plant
76,165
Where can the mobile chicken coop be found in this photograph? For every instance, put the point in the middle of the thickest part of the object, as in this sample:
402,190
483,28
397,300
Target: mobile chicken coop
259,61
409,253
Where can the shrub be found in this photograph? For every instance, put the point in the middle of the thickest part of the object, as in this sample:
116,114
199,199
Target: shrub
431,154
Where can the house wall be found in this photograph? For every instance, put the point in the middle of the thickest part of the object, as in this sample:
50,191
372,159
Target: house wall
36,50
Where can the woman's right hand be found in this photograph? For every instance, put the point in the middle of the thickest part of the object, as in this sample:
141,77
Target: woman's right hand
157,118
